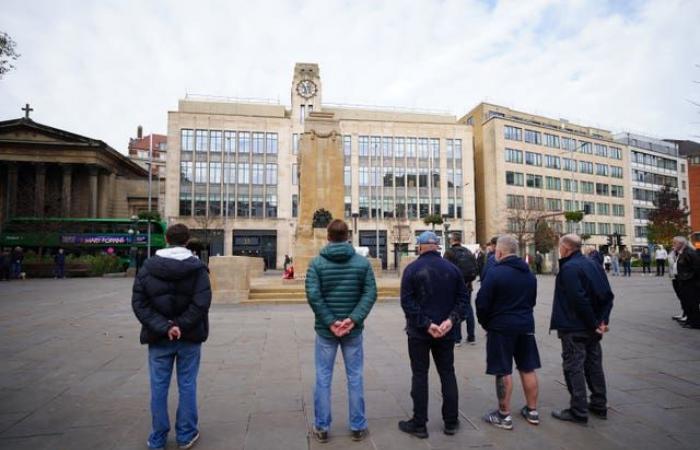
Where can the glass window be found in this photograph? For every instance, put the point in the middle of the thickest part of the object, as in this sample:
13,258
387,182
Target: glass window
515,201
570,185
201,140
552,162
214,172
243,173
242,205
618,210
374,146
533,159
568,144
295,205
554,183
585,147
200,172
601,169
423,148
187,140
615,153
214,205
186,172
570,164
347,145
271,205
514,178
256,206
449,149
400,177
295,143
229,141
534,181
229,173
602,189
258,143
243,142
603,228
271,174
411,177
257,174
619,228
215,141
435,149
185,204
513,133
271,144
535,203
617,191
411,147
363,145
364,176
586,187
601,150
603,209
616,172
551,140
514,156
458,149
585,167
399,147
347,176
533,137
386,147
553,204
388,178
295,174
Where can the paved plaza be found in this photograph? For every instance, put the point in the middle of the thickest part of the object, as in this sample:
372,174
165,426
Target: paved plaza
73,376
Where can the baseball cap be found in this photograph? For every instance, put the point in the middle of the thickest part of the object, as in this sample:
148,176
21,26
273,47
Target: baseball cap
428,237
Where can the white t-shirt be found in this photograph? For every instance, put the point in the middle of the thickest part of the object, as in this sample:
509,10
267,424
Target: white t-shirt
661,254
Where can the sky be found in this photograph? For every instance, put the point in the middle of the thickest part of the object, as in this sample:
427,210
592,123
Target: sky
101,68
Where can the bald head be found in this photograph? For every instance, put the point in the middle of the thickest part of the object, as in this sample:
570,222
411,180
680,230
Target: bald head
506,245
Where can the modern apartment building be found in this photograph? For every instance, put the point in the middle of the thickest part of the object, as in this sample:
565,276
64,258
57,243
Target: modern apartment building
530,168
654,163
690,150
232,171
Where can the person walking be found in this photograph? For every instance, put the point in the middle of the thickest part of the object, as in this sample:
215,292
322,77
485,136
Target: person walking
581,310
646,262
171,299
607,261
615,260
464,260
59,261
341,290
538,262
433,294
504,306
626,261
661,256
16,259
688,276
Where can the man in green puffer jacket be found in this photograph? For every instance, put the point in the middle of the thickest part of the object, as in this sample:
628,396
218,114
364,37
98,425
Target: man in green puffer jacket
341,291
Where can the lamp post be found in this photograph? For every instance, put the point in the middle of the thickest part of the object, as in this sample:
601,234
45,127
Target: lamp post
133,232
355,233
445,229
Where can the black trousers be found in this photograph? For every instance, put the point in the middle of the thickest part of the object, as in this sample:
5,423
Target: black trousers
582,358
660,267
677,290
419,351
688,292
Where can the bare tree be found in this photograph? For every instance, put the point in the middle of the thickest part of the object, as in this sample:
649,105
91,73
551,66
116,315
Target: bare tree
8,54
520,222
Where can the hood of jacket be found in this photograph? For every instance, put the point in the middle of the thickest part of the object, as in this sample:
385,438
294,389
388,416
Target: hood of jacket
173,263
515,262
337,252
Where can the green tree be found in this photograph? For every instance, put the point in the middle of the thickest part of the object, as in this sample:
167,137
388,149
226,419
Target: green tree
433,219
152,215
8,54
545,237
668,219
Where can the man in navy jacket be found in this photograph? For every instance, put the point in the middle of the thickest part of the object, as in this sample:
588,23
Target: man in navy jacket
433,298
504,307
581,314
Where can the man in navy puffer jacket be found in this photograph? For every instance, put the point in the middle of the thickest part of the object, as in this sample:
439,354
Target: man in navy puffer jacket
171,299
504,307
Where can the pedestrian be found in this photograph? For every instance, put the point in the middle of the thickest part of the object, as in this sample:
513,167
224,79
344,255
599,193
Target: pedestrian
463,258
646,262
595,255
4,265
287,261
661,256
16,263
626,261
341,291
581,314
672,272
433,294
489,259
59,261
171,299
688,276
505,305
140,258
538,262
615,260
607,260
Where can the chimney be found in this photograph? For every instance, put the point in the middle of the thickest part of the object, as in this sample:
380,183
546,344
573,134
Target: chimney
139,132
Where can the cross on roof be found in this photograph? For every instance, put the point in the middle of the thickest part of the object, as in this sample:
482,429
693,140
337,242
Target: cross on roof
27,110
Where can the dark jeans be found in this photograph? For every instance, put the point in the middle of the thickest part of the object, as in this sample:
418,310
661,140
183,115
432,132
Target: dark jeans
443,354
583,365
677,290
689,300
627,269
60,270
646,267
660,267
469,318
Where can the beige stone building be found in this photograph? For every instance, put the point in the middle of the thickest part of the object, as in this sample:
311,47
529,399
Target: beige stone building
530,168
232,171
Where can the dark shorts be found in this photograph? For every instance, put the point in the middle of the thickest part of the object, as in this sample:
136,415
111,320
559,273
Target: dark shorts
502,348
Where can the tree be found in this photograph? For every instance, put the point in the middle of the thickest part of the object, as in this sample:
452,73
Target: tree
668,219
521,224
545,237
150,215
433,219
8,54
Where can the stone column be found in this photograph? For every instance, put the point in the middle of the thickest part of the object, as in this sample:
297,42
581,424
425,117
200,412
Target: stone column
39,189
104,188
66,190
11,189
92,205
228,239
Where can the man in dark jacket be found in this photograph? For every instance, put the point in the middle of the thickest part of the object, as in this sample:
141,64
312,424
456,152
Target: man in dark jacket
688,280
171,299
59,261
459,255
489,260
341,291
433,294
504,306
581,314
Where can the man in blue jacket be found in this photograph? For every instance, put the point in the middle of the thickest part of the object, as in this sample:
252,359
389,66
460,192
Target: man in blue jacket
433,299
171,299
504,307
581,314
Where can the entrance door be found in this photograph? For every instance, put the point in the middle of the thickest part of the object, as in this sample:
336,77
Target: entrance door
256,243
369,239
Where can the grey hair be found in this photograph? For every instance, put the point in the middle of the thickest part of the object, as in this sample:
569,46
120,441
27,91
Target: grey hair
682,240
571,240
507,244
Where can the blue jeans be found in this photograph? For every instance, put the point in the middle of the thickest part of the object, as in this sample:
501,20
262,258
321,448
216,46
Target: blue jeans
16,269
161,358
627,268
325,351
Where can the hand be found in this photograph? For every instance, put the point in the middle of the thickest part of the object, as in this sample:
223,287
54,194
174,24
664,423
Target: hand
435,331
347,325
446,326
602,328
174,333
336,328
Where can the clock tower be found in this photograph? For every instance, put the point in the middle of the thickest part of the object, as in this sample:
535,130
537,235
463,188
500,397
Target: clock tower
306,91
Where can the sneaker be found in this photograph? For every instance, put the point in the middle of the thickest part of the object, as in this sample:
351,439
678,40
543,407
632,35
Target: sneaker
189,444
320,435
358,435
531,415
410,427
471,340
679,317
499,420
458,344
450,429
601,413
567,416
151,447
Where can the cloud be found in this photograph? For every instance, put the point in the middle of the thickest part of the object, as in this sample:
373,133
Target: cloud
102,68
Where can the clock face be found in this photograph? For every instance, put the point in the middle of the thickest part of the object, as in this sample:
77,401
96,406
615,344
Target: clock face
306,88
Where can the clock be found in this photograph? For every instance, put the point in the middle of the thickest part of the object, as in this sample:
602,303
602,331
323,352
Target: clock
306,88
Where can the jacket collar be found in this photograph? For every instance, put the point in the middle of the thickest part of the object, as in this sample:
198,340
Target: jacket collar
575,255
431,253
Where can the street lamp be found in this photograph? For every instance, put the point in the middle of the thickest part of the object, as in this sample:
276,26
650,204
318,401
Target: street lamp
445,229
133,232
355,233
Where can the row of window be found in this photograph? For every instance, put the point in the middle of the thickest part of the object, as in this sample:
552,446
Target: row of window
228,141
554,162
518,226
256,206
654,161
413,208
554,141
555,184
555,204
229,173
655,178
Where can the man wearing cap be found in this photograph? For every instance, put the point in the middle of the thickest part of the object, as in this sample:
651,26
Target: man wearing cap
433,296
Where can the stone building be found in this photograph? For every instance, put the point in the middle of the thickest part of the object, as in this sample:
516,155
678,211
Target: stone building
48,172
138,151
232,171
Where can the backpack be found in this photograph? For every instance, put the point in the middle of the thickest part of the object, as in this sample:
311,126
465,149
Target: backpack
465,262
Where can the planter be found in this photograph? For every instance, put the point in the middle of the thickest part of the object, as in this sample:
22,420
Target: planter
46,270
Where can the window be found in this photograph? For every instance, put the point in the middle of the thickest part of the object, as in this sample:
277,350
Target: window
185,204
552,162
533,137
533,159
271,148
243,142
423,177
534,181
514,178
554,183
423,148
187,140
229,173
458,149
588,228
551,140
619,228
411,147
513,133
400,147
601,169
295,143
601,150
243,173
295,205
400,177
586,147
515,201
603,209
215,142
364,176
257,174
585,167
570,185
295,174
256,206
615,153
553,204
215,173
449,148
586,187
201,140
363,145
616,172
435,149
347,176
271,174
200,172
535,203
568,144
386,147
347,145
258,143
229,141
374,146
514,156
618,210
242,206
571,205
617,191
603,228
602,189
570,164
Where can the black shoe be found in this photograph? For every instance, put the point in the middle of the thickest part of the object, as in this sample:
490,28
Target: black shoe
359,435
471,340
320,435
567,416
410,427
689,325
450,429
601,413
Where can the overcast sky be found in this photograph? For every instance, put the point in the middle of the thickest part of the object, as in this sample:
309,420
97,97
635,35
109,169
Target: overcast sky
101,68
